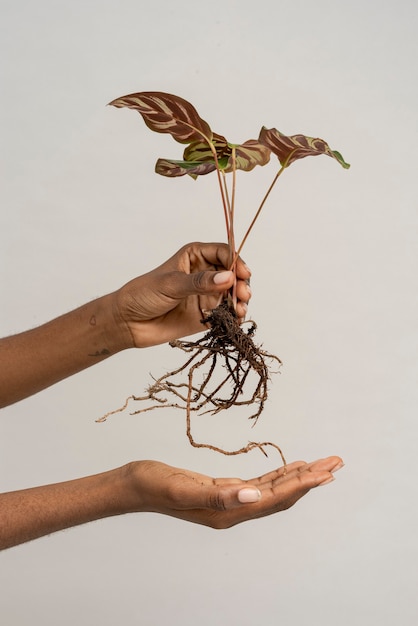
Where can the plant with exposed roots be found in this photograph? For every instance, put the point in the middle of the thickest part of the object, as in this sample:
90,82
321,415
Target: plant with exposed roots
225,368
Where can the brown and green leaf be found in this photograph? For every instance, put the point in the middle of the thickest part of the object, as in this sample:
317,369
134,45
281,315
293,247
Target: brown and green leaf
247,155
202,151
173,169
165,113
294,147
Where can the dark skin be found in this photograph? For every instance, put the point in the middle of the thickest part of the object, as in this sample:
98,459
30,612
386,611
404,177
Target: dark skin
157,307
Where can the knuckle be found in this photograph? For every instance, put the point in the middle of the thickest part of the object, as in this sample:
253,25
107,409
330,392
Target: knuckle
217,502
199,281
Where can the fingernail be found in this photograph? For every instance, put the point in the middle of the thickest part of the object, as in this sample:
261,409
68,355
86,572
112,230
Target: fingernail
327,481
222,277
249,495
337,467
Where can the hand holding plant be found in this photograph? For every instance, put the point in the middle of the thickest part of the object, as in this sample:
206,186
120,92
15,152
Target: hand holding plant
226,354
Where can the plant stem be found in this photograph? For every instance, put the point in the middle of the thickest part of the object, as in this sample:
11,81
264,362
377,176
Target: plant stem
232,208
224,199
224,194
231,240
258,212
228,202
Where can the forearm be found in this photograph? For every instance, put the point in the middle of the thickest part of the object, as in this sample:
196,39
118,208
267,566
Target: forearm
33,513
38,358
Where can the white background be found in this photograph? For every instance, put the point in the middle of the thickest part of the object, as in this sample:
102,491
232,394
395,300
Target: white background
334,281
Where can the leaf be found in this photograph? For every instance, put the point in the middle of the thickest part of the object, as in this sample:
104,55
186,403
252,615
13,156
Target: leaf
247,155
165,113
201,151
171,168
290,149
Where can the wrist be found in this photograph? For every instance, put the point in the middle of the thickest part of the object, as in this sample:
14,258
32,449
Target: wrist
145,487
133,499
121,337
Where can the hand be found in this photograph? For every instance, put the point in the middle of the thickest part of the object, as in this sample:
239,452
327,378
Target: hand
151,486
165,304
168,302
224,502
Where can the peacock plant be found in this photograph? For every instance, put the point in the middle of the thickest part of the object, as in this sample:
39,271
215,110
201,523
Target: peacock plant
226,347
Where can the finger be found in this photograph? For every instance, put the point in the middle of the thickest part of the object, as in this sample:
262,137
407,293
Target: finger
284,494
243,291
279,492
229,506
243,271
230,497
177,285
201,256
278,473
241,310
287,492
330,464
203,283
217,255
208,283
217,496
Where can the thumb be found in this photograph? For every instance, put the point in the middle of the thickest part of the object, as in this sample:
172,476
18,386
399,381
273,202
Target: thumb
206,282
224,498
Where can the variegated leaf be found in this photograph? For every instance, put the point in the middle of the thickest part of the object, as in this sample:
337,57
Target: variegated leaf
201,151
248,155
294,147
165,113
168,167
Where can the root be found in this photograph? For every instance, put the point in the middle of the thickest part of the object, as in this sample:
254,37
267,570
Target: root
230,361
